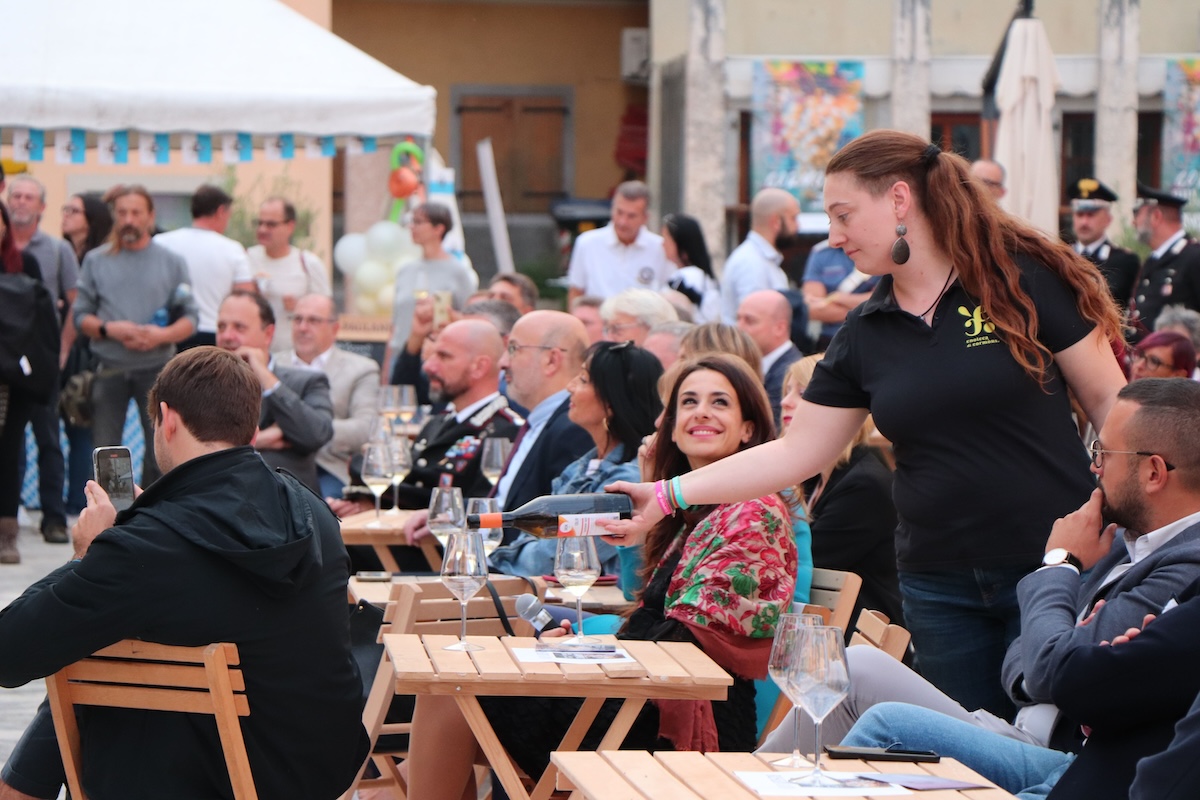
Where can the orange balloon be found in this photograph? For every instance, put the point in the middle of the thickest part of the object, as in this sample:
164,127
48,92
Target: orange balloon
402,182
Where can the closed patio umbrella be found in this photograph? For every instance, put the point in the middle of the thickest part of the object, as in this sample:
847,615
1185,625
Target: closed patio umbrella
1025,94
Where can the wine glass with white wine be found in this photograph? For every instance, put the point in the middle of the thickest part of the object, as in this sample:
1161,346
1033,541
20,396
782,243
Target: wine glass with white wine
406,404
495,455
779,666
389,405
446,513
464,572
401,450
577,566
377,472
819,681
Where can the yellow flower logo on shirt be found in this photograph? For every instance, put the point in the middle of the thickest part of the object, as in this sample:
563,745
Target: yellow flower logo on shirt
979,329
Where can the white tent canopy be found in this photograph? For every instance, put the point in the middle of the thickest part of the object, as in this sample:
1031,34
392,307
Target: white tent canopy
203,66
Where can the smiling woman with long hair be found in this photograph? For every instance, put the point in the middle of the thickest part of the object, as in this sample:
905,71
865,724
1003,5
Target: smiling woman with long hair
717,576
963,355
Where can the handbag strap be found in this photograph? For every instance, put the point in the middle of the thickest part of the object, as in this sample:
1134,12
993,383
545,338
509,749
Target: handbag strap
500,612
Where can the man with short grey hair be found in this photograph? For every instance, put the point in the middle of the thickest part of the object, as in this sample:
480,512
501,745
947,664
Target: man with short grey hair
991,174
621,255
60,273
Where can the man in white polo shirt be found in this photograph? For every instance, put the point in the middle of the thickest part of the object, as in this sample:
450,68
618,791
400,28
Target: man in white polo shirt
621,255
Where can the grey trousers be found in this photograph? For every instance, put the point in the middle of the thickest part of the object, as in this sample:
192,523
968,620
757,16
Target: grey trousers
111,393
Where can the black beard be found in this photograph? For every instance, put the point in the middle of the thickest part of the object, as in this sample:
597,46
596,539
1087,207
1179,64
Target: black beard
129,234
786,241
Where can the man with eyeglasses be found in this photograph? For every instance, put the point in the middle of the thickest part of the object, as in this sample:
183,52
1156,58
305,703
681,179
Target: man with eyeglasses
217,264
60,274
1147,462
353,387
755,264
284,273
1171,274
991,175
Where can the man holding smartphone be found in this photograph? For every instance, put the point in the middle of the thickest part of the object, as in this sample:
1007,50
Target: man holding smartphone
221,548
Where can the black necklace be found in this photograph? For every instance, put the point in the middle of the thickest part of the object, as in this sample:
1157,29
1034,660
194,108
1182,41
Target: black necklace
941,294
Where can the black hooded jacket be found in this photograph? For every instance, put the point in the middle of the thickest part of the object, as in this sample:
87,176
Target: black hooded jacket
219,549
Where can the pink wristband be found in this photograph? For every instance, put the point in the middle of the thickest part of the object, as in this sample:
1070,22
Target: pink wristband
662,498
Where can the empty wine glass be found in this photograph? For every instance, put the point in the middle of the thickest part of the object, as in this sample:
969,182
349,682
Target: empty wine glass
491,536
495,455
783,655
446,514
377,472
464,572
406,403
819,680
389,404
401,450
577,566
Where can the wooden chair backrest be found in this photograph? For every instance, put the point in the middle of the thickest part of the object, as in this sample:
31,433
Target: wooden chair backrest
156,677
436,610
836,590
875,629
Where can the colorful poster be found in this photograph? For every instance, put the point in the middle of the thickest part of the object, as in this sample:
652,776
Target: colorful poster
1181,136
804,111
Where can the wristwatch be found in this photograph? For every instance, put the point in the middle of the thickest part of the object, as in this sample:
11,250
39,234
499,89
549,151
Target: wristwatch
1059,556
103,330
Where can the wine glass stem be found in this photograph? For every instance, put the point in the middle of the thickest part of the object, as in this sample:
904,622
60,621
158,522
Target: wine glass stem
579,614
396,495
796,736
462,636
816,748
377,496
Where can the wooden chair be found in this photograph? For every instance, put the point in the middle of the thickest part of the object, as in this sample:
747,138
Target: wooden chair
832,595
156,677
428,607
837,591
875,629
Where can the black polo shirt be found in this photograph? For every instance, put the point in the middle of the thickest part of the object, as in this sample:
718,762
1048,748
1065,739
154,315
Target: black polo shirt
986,457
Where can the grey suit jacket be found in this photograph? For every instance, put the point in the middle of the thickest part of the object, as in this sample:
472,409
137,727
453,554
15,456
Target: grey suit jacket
1051,600
301,407
354,389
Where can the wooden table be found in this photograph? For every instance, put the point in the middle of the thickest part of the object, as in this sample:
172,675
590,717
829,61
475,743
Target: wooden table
607,599
638,775
662,670
358,529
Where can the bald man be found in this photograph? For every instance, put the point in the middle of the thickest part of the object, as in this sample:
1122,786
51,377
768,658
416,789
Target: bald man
766,317
755,264
991,175
545,351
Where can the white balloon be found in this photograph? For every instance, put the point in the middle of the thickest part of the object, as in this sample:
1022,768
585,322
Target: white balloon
365,304
350,252
386,240
371,276
386,298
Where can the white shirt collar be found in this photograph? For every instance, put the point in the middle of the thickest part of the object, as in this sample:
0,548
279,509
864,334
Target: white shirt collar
639,241
1142,546
465,414
764,248
1161,250
770,358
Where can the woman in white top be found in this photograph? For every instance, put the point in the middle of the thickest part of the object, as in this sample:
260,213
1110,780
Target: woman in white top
683,242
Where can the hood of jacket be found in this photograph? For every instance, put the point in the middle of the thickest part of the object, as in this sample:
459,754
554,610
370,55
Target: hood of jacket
232,505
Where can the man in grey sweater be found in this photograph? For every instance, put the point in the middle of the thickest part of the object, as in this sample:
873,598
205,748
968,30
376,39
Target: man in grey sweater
135,303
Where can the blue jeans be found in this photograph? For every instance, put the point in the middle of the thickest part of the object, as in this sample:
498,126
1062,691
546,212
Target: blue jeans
79,466
1023,769
43,420
331,485
962,623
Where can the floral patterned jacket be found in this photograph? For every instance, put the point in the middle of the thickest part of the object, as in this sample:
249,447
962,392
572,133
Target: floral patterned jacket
737,571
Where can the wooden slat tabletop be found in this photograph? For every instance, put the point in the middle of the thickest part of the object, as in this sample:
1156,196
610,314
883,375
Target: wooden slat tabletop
422,666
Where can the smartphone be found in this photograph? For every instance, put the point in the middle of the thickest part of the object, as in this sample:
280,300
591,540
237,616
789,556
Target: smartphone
442,303
373,575
113,469
880,754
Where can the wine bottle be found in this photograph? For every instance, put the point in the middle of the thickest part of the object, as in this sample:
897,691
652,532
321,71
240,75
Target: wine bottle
555,515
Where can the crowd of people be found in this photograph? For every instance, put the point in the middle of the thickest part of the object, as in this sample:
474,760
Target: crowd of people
917,411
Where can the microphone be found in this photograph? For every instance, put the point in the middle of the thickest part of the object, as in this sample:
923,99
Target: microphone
533,611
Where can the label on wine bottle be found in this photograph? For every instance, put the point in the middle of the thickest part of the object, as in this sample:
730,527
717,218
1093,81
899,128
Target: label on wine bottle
583,524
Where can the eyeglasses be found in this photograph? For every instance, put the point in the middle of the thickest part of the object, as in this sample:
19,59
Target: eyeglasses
311,320
268,223
69,210
1098,455
1153,361
991,183
615,330
513,347
1143,202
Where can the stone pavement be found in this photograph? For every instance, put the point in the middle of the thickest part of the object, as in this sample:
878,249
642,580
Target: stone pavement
37,559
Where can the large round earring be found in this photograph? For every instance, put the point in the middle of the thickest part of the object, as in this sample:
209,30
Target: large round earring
900,251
